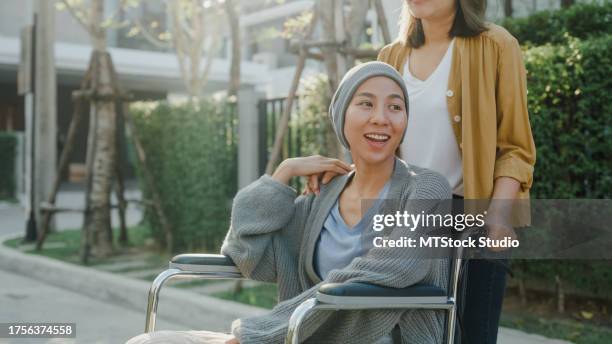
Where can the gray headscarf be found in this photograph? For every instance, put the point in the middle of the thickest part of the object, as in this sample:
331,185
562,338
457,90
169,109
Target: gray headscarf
350,83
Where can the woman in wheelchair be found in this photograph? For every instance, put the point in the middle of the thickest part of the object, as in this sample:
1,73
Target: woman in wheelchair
302,242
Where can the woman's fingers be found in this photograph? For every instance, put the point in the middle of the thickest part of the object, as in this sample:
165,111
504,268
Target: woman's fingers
343,165
307,188
314,168
336,167
313,182
327,176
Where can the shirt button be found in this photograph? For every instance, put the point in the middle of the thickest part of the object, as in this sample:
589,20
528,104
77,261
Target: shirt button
457,118
450,93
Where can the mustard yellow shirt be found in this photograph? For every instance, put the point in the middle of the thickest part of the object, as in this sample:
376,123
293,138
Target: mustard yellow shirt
487,102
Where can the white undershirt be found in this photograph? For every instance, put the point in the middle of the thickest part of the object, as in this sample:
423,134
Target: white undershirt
430,141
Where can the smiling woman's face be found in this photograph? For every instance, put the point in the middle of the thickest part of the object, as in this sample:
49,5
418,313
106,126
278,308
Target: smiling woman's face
375,120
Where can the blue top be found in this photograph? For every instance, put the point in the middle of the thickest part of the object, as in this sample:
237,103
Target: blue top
338,244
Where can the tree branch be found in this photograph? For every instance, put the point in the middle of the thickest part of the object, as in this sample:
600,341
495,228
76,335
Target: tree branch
150,37
78,15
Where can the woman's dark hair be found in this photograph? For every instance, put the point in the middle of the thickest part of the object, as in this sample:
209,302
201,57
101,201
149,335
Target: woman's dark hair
469,22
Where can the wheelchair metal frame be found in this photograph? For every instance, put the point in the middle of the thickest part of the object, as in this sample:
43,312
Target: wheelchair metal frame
320,302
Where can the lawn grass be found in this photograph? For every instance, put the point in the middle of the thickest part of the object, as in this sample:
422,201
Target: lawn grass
65,246
574,331
264,295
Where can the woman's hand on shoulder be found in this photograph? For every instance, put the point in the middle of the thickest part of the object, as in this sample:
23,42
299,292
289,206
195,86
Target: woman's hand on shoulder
315,168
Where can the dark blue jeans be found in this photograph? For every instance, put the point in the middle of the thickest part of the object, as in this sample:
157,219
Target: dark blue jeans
483,287
480,296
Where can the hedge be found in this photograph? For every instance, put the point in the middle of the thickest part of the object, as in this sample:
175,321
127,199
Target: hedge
584,20
316,135
8,144
581,21
570,105
192,153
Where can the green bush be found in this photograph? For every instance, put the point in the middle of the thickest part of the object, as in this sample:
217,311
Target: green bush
192,153
316,135
570,106
8,143
581,21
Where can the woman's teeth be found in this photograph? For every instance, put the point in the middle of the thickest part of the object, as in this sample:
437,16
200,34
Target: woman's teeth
377,137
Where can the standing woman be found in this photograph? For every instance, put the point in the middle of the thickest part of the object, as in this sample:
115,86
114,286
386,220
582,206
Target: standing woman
469,121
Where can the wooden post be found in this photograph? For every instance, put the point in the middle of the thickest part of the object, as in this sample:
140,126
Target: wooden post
382,21
75,124
122,203
157,204
356,24
45,97
284,120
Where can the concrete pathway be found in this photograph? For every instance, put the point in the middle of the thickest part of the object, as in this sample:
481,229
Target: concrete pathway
28,300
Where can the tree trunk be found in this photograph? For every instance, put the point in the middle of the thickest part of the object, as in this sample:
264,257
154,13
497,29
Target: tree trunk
234,25
103,161
104,150
522,291
560,295
508,9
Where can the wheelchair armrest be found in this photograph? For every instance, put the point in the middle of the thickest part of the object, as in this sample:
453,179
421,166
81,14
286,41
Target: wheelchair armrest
365,293
203,263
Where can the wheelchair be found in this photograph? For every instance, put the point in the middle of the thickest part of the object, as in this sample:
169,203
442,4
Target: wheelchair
330,296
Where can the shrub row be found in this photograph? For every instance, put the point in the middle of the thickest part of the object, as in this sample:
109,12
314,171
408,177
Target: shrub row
570,106
8,143
584,20
192,153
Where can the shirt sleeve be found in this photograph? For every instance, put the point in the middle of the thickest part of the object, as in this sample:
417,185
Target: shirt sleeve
516,152
260,212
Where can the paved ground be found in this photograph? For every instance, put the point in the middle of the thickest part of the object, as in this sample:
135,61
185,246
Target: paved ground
25,299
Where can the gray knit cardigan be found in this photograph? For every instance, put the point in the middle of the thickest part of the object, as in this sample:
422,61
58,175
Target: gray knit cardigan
272,238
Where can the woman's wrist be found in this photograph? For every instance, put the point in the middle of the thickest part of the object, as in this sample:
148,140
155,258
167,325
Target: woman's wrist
282,173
